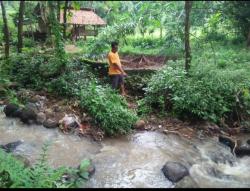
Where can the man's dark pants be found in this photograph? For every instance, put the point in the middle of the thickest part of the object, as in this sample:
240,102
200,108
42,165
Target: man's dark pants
116,80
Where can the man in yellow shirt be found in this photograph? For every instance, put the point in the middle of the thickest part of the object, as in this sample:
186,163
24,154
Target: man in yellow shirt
116,72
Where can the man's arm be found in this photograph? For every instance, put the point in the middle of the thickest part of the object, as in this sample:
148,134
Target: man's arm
121,70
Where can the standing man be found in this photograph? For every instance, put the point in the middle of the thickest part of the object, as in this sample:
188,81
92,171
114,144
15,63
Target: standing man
116,72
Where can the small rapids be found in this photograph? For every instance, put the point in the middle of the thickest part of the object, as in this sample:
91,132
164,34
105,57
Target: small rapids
132,161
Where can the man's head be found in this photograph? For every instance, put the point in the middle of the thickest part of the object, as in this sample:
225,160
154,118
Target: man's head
114,46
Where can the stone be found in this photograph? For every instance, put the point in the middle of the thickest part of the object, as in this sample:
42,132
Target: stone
242,151
49,113
27,116
10,147
140,124
49,123
32,106
40,118
11,110
186,182
174,171
248,141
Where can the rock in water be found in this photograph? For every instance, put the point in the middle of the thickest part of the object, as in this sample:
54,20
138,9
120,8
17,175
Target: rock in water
140,124
27,116
10,147
11,110
174,171
40,118
49,123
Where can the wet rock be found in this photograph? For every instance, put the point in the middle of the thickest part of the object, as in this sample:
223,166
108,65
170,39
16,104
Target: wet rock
227,141
248,141
11,110
174,171
49,123
40,118
32,106
10,147
27,116
242,151
140,124
186,182
49,113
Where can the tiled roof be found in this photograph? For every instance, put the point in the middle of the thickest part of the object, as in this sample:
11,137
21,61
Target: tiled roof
83,17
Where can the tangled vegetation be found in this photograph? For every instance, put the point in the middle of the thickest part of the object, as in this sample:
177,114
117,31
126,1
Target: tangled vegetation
14,174
216,88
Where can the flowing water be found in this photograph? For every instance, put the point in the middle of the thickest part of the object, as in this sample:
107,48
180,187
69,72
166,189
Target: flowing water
132,161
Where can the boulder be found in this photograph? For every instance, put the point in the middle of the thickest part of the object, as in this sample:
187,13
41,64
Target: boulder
11,110
242,151
49,123
40,118
174,171
248,141
49,113
140,124
186,182
27,116
32,106
10,147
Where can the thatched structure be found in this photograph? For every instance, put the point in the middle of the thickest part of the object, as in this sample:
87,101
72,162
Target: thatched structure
79,19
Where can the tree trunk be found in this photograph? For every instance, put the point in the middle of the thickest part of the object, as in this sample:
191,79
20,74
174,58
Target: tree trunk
65,19
20,27
188,5
6,31
161,29
248,39
58,10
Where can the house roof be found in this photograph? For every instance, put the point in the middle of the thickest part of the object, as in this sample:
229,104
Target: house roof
83,17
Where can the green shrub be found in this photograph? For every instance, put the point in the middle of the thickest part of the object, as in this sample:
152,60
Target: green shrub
14,174
108,109
208,93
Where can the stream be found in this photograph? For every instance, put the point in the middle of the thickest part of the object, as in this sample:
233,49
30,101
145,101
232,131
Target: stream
132,161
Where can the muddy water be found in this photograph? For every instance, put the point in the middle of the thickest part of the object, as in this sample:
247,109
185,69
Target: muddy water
132,161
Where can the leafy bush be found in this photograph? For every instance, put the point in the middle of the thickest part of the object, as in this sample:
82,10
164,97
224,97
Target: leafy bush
31,69
208,93
108,109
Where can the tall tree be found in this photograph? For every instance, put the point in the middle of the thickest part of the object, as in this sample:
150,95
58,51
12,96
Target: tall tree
20,27
58,10
238,12
6,31
65,18
188,5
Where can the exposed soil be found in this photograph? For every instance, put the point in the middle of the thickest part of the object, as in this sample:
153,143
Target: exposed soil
144,61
